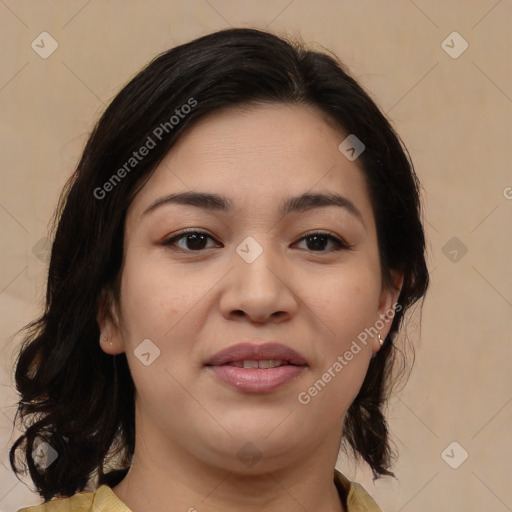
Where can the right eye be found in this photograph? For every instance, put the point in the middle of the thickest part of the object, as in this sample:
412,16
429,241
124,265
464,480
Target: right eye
193,241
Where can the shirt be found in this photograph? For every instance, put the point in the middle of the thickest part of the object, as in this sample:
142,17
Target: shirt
353,495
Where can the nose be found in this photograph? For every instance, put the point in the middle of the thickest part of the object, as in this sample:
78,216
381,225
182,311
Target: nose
259,292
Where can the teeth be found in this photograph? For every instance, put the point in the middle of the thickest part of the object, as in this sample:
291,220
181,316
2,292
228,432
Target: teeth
268,363
250,364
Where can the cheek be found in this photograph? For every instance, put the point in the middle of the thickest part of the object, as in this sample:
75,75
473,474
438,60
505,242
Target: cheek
330,393
346,302
155,307
165,305
156,296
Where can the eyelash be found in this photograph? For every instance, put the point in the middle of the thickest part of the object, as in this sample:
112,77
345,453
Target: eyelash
341,245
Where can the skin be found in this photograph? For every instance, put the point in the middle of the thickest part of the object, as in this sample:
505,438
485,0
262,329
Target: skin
191,304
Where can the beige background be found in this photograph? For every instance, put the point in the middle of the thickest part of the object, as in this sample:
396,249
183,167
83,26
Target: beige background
454,115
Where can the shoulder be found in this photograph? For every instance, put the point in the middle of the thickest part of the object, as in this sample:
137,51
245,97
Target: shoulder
80,502
352,493
87,501
356,497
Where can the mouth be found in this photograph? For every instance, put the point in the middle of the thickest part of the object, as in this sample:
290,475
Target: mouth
254,368
261,364
271,353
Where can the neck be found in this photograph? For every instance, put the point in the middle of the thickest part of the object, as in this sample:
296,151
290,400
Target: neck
263,493
172,480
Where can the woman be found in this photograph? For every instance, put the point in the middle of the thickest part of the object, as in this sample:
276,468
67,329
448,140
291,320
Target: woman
232,263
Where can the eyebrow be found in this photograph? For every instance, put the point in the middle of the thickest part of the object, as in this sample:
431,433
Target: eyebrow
216,202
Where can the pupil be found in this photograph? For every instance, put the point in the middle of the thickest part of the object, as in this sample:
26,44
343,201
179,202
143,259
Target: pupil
196,239
316,243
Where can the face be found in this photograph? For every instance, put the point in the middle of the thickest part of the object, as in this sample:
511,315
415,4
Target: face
255,267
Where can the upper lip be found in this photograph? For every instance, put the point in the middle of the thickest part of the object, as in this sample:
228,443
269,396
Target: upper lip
256,352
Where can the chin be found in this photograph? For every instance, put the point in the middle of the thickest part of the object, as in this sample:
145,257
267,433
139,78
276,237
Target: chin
252,450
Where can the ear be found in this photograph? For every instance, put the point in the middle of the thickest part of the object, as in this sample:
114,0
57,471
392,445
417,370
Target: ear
387,303
108,321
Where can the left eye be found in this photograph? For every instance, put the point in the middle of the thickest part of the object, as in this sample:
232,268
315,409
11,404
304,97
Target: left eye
320,240
197,241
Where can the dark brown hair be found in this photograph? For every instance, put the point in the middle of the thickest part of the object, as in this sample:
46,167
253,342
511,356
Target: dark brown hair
80,400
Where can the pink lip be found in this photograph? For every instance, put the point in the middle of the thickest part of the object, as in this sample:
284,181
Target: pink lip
256,380
251,351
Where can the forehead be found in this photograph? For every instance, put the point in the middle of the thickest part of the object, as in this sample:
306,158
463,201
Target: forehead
257,155
278,134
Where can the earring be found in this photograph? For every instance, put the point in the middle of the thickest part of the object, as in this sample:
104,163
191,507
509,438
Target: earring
105,339
381,341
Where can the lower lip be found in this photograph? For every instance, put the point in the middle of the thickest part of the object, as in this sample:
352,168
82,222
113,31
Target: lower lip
257,380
